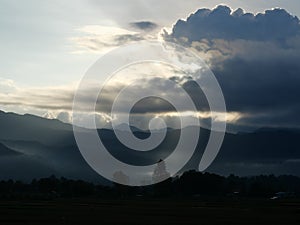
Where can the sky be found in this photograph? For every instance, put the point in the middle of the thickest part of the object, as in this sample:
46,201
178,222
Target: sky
47,46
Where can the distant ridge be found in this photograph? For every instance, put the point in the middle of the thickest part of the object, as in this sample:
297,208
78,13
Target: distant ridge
48,145
5,151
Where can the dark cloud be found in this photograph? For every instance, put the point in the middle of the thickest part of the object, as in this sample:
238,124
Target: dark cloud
254,57
222,23
144,25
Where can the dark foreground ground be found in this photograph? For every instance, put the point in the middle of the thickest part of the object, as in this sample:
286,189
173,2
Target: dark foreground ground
146,212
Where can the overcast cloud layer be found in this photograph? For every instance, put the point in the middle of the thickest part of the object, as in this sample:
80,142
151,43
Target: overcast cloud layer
255,58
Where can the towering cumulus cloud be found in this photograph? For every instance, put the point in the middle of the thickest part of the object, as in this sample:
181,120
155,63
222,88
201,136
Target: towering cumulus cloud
222,23
255,58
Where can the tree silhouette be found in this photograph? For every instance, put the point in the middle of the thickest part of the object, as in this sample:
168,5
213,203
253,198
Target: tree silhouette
120,177
160,172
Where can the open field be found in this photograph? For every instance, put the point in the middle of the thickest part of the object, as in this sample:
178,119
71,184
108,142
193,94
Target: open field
150,212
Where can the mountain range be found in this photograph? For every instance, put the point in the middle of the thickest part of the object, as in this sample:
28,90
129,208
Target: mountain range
34,147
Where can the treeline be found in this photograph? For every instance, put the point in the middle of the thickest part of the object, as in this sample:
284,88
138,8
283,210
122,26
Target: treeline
189,184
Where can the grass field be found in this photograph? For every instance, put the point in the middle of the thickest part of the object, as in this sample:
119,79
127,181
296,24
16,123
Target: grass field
150,212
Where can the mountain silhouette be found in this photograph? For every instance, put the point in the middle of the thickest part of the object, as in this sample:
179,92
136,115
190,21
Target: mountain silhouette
32,147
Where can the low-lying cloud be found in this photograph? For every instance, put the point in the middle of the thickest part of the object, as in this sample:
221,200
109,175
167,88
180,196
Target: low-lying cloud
56,102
